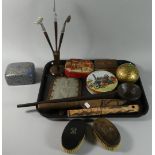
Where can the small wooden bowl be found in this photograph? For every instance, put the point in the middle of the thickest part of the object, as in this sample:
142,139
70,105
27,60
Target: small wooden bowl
129,91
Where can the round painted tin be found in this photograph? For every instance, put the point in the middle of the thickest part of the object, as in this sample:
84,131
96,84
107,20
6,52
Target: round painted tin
101,81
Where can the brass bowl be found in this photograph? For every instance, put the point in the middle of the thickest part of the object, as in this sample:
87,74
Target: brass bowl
127,73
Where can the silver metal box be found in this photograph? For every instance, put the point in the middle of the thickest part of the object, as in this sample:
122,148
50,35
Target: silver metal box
21,73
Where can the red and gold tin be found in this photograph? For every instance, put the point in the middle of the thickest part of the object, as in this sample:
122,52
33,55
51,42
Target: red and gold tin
77,68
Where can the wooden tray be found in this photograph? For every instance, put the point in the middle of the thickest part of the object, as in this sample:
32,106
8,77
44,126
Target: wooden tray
47,79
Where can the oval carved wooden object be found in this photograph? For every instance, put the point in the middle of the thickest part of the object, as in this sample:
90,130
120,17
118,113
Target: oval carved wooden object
73,135
106,133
